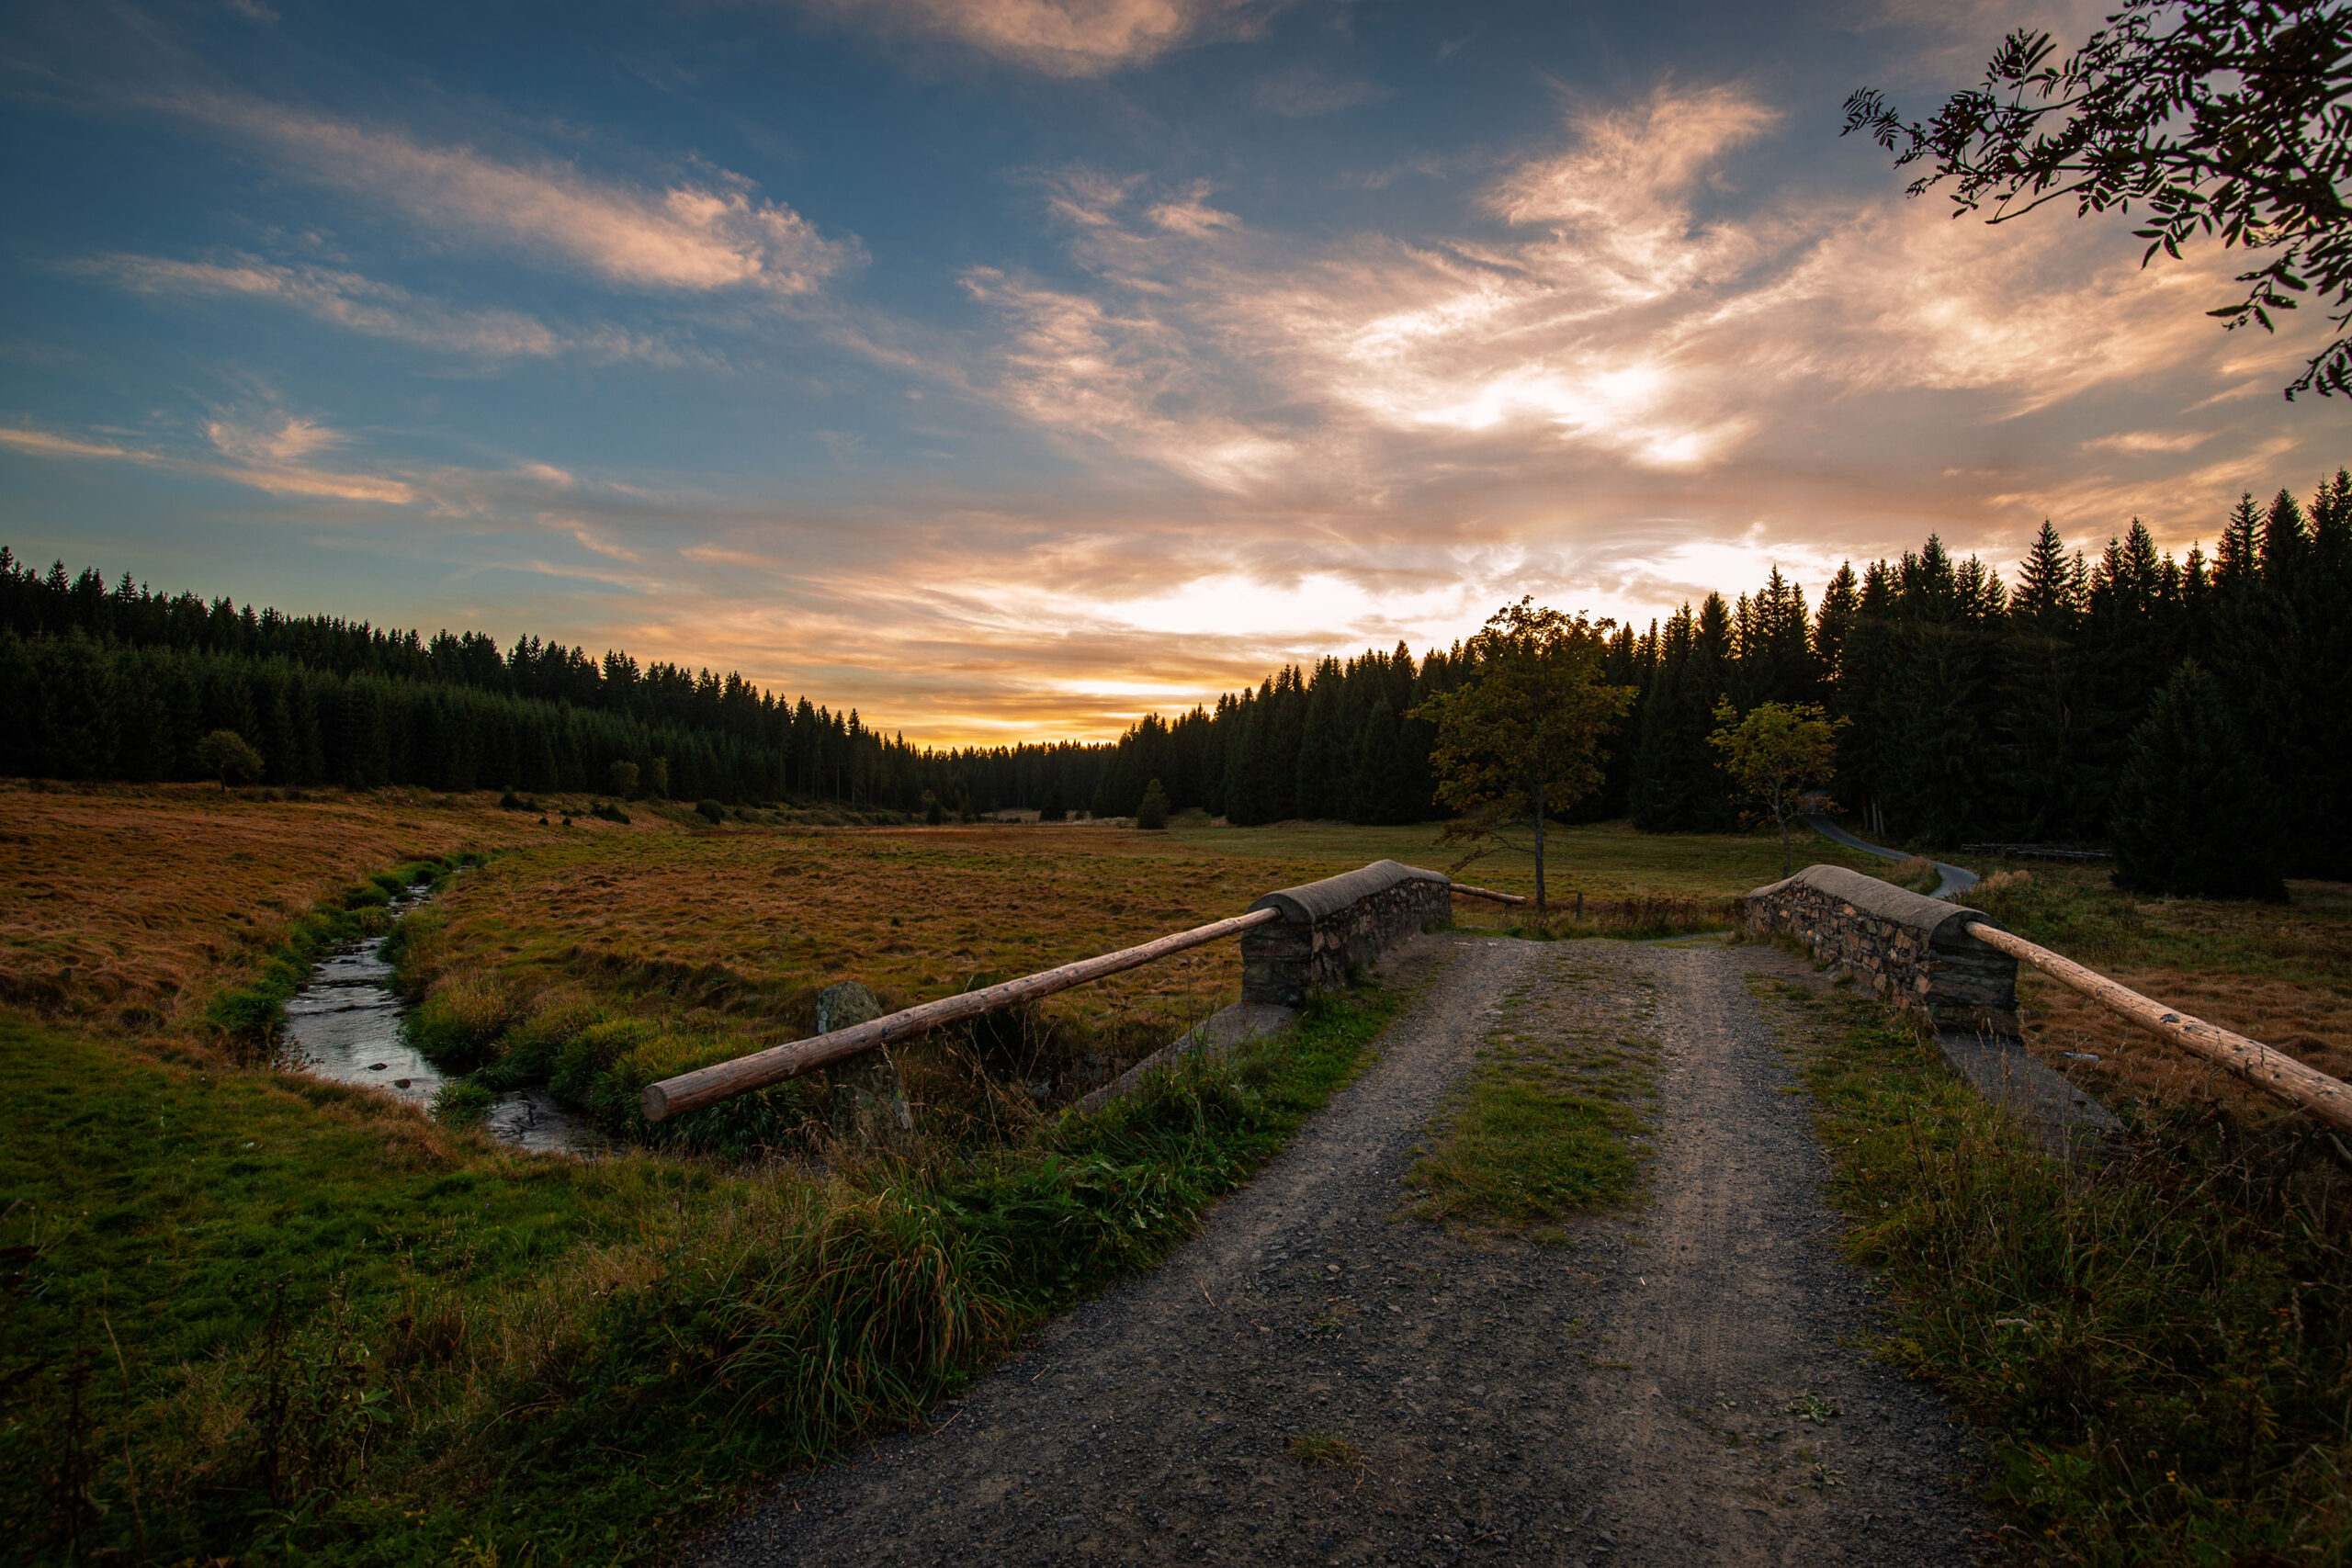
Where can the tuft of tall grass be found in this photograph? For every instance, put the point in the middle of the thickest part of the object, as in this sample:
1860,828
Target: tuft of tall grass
1916,873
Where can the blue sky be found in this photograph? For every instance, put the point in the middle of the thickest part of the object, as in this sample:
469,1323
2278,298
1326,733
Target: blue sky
1006,368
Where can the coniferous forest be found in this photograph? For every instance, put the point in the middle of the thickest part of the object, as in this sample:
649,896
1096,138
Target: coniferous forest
1977,709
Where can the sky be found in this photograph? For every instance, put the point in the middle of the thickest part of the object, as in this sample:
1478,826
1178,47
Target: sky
1005,369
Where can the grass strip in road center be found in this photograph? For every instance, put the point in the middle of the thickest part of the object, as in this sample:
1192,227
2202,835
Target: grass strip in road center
2156,1347
1553,1117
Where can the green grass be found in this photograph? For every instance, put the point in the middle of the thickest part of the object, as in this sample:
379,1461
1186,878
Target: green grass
2156,1348
1543,1126
252,1015
1606,860
1326,1449
250,1315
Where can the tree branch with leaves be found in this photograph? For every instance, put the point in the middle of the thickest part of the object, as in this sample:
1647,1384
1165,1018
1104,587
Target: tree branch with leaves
2215,117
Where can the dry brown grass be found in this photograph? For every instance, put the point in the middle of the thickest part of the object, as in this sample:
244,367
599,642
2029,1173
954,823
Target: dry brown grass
2312,1024
738,931
2280,974
130,905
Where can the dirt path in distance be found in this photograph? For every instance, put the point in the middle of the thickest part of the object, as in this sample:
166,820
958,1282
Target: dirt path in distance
1681,1386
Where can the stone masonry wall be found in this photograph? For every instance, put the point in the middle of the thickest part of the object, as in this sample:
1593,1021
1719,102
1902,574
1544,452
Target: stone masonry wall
1332,927
1909,949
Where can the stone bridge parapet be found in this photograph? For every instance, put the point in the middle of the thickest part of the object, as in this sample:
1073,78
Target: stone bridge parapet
1910,949
1331,928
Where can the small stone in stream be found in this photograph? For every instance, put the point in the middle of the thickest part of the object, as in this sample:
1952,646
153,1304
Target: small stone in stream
402,1083
378,1067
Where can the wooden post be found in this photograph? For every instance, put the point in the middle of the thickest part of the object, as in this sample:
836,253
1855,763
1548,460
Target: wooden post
1539,846
2273,1072
866,1099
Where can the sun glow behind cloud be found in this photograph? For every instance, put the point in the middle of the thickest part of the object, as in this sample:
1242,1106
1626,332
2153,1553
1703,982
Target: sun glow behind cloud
1623,362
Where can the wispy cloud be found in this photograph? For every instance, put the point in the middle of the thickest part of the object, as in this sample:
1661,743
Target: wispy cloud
694,236
372,307
1056,38
271,457
1631,309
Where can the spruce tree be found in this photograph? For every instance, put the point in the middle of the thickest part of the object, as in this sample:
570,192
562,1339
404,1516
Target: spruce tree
2191,813
2042,696
1151,812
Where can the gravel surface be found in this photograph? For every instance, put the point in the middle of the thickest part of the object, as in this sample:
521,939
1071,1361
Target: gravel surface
1679,1385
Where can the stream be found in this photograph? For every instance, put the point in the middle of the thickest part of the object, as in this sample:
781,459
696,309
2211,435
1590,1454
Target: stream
346,1025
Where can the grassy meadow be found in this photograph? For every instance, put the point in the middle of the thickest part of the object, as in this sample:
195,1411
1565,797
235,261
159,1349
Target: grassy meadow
247,1313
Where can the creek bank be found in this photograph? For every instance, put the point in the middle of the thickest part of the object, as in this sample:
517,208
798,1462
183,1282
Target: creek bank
346,1025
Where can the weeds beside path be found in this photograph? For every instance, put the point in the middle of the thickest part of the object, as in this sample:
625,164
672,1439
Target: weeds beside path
1318,1375
2154,1343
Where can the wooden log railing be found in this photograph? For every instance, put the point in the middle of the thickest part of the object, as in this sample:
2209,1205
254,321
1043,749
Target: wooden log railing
1462,889
707,1086
1345,898
2272,1071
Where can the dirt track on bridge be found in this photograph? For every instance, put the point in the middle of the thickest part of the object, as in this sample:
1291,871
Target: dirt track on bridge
1683,1384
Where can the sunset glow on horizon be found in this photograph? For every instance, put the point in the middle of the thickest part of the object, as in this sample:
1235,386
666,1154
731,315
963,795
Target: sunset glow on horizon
1006,370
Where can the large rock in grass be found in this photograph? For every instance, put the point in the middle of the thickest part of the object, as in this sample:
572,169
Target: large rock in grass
865,1098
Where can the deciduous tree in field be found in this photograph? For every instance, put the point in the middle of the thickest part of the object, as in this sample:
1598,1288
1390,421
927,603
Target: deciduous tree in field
1781,754
1523,735
228,757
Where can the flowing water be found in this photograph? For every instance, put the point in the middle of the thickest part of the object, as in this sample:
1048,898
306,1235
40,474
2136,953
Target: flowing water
344,1026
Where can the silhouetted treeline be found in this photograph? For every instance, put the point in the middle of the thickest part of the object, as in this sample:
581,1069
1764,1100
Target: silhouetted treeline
1977,709
123,682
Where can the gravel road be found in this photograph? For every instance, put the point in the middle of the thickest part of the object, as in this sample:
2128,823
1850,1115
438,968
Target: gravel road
1679,1385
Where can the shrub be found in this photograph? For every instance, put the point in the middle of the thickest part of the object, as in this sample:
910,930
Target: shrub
230,757
623,779
462,1020
710,811
606,811
530,1049
587,1053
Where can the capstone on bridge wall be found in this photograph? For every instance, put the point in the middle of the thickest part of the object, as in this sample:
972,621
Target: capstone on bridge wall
1910,949
1335,926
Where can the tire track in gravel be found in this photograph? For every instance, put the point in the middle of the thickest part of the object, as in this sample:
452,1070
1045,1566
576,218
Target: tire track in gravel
1625,1400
